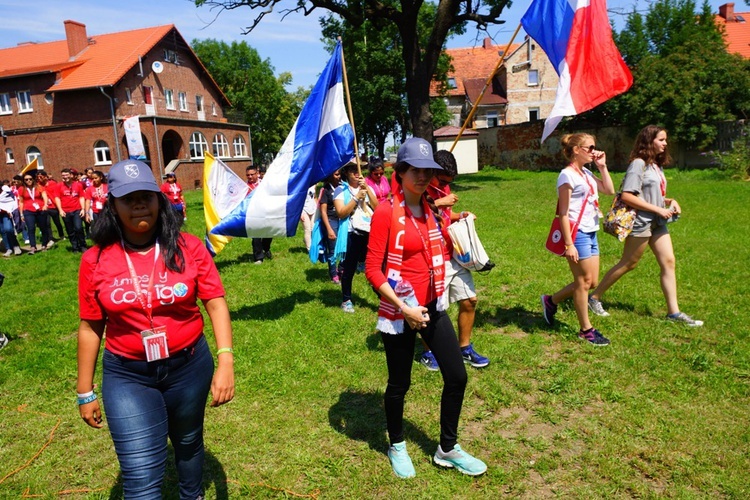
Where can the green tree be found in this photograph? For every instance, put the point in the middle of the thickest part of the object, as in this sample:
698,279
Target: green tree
421,45
683,77
377,80
258,98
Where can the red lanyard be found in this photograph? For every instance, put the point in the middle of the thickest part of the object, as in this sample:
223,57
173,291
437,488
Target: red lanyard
662,180
591,188
146,304
425,247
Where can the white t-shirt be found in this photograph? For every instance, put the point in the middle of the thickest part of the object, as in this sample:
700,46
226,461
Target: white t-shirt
339,195
311,203
581,186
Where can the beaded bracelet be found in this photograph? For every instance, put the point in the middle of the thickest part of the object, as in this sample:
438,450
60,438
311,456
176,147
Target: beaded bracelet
225,349
87,399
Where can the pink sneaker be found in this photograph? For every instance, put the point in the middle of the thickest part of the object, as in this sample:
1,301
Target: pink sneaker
336,280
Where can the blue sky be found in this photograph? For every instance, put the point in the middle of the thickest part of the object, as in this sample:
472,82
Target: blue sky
293,45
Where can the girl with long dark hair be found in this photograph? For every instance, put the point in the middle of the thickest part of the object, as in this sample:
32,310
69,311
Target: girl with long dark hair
140,283
645,189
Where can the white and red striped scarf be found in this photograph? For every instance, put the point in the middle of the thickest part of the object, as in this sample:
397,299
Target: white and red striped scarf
390,319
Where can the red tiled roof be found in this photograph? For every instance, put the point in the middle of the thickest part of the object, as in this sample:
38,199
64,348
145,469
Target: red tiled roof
451,131
102,63
470,63
736,33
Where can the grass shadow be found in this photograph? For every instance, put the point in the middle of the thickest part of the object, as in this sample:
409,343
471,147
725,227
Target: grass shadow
273,309
360,416
317,273
298,250
524,320
213,472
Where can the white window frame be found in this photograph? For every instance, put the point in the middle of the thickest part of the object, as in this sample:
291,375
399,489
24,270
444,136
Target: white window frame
128,96
182,97
538,114
221,146
213,108
199,103
5,107
240,148
9,158
30,155
452,83
170,55
102,156
169,98
23,100
533,82
198,145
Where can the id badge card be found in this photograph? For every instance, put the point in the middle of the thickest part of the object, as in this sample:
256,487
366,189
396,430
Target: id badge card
98,205
36,206
155,343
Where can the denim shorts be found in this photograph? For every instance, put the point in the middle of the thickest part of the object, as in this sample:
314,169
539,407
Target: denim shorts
586,244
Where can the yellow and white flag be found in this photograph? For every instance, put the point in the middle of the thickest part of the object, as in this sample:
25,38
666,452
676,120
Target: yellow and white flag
223,190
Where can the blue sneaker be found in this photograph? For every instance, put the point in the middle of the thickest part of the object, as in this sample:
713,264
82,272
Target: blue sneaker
429,361
400,460
594,337
458,458
347,306
473,358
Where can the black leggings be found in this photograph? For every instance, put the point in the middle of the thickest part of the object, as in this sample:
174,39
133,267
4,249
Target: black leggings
356,251
399,353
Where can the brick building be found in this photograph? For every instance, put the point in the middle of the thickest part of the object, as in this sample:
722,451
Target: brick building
65,102
523,90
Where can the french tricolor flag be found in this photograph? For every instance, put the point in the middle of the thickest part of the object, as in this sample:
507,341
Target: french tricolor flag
320,142
577,38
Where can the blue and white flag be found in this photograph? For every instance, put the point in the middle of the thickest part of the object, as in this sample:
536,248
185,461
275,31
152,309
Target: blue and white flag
321,142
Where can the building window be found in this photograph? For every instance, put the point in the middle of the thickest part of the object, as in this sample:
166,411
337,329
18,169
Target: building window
5,108
452,83
533,77
33,152
533,114
49,98
9,158
239,146
221,146
24,101
199,103
183,101
101,154
169,98
213,108
148,95
198,145
128,96
170,56
491,119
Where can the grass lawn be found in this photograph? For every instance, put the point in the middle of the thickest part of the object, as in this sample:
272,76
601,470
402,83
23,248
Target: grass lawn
662,412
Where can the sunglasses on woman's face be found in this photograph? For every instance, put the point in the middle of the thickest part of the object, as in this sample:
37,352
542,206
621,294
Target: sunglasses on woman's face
590,149
28,179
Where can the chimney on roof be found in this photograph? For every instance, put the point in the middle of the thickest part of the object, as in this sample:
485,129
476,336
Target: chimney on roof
75,34
727,11
487,43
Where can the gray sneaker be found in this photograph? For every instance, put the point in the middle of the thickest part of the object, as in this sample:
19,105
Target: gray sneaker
681,317
595,306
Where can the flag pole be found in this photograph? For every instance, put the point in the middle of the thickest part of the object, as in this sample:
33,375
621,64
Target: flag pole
486,85
349,108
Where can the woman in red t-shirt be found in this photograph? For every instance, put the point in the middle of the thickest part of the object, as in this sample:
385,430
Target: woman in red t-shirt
33,200
174,193
96,196
405,265
141,283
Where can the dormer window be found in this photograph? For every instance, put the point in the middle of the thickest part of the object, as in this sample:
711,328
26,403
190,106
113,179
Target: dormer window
452,83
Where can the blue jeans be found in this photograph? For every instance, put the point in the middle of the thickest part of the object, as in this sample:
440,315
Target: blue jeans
8,231
329,246
34,219
144,402
74,227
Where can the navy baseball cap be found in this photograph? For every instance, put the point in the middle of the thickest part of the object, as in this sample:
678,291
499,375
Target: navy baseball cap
417,153
128,176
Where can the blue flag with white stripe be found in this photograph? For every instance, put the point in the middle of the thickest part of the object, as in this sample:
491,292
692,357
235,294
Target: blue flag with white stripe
320,142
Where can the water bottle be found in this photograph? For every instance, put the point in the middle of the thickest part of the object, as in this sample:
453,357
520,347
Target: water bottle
405,292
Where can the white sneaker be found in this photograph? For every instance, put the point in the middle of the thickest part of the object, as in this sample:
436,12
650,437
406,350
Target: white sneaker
8,253
17,250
